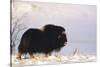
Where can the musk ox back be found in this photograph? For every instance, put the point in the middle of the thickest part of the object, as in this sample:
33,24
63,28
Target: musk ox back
51,38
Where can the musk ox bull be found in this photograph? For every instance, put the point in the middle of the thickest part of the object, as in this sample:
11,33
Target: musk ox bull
51,38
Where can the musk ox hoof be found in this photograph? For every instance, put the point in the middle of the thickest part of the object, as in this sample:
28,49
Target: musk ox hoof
19,56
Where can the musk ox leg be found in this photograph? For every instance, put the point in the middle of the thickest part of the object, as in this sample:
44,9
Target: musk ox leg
47,54
19,56
31,56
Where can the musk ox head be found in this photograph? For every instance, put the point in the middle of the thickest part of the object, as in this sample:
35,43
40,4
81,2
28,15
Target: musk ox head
56,36
51,38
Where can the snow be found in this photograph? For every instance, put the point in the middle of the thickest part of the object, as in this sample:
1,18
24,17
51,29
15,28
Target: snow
53,59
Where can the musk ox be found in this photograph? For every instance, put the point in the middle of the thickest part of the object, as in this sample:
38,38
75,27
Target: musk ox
51,38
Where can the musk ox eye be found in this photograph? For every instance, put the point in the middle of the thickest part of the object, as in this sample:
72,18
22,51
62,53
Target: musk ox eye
59,36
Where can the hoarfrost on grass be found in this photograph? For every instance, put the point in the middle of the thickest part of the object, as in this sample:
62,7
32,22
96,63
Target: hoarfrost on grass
54,59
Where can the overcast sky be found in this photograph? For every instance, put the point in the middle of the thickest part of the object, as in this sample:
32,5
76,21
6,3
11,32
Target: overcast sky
78,20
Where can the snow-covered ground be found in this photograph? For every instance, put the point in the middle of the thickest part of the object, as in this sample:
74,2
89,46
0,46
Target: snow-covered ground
53,59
